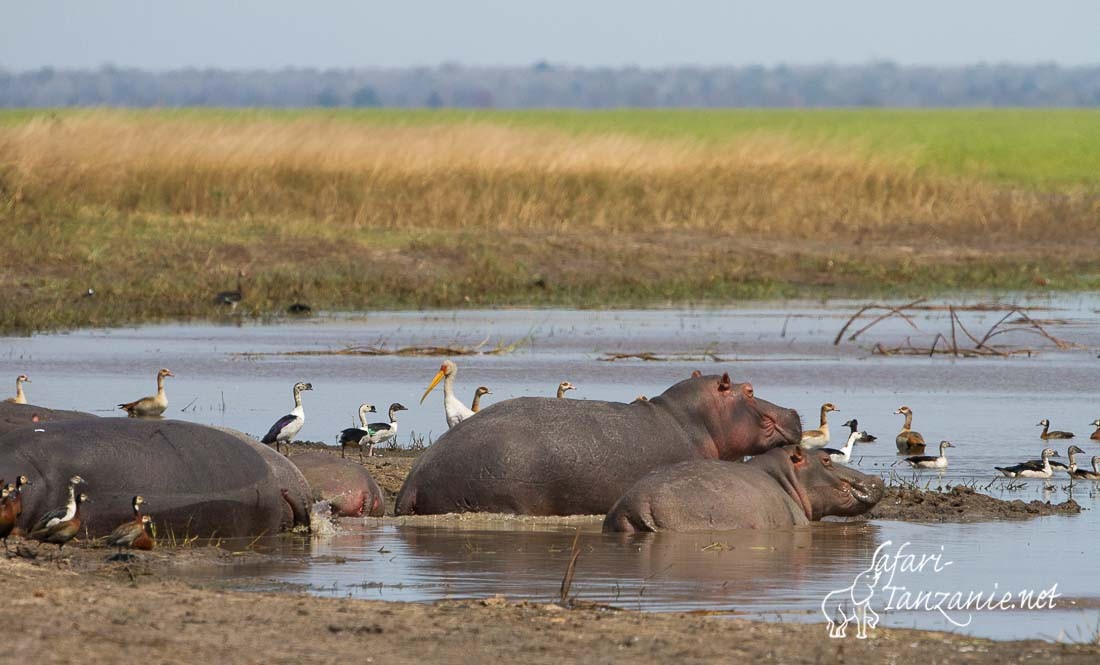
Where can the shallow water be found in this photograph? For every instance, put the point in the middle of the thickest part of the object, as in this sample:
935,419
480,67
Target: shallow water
987,407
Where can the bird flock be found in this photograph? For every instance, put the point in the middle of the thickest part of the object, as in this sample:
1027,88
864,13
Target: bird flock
911,443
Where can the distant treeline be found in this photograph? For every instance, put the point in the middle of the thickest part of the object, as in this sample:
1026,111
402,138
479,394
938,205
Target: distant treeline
547,85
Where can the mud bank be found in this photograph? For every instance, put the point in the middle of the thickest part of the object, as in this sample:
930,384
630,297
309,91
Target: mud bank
961,504
65,616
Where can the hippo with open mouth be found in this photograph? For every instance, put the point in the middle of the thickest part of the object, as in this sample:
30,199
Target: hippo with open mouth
784,487
545,456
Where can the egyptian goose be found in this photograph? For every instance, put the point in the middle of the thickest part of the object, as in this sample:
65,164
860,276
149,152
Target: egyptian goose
7,514
1095,435
563,387
864,437
61,525
454,410
844,455
908,441
287,427
132,534
1047,435
1089,475
481,391
819,438
232,298
19,398
1031,469
929,461
352,437
153,405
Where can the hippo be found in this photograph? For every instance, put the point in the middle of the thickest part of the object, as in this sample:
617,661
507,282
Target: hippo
784,487
546,456
16,416
196,480
347,486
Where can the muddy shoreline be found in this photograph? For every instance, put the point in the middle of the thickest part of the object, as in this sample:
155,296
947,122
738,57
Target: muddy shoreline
78,612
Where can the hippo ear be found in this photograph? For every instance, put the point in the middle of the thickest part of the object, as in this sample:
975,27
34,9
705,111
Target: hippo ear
746,390
724,384
696,374
797,455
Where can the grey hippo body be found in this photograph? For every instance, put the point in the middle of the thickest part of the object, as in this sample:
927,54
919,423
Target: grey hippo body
196,480
18,416
545,456
348,487
781,488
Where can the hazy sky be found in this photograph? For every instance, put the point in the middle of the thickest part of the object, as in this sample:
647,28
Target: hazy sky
276,33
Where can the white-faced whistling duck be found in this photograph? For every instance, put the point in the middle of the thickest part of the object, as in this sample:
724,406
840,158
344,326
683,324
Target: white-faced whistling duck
63,528
133,534
481,391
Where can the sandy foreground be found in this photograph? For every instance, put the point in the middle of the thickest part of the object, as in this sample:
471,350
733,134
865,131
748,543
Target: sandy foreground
84,612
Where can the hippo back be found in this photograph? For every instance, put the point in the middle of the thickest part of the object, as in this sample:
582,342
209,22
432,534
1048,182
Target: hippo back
196,481
18,416
544,456
347,486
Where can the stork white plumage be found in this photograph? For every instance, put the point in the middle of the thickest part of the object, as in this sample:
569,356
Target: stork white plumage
453,408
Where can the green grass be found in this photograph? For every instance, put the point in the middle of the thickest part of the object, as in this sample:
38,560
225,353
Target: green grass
1040,148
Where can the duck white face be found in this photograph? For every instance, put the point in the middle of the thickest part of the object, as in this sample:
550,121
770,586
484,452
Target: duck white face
83,498
138,500
1043,423
1095,423
21,481
1050,452
145,519
75,480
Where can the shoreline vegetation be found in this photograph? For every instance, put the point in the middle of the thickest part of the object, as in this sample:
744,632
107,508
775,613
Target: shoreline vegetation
156,211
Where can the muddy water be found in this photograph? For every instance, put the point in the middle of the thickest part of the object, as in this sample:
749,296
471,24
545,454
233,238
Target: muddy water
232,375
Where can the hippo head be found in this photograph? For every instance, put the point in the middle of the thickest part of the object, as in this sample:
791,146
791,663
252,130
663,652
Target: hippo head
822,486
739,422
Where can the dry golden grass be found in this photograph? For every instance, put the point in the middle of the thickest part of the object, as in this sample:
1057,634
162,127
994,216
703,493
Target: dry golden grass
480,176
157,213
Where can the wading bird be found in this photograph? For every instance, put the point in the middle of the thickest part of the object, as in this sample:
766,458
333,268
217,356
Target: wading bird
454,410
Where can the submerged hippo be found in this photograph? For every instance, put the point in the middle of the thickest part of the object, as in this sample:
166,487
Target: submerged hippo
347,486
17,416
785,487
196,480
545,456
